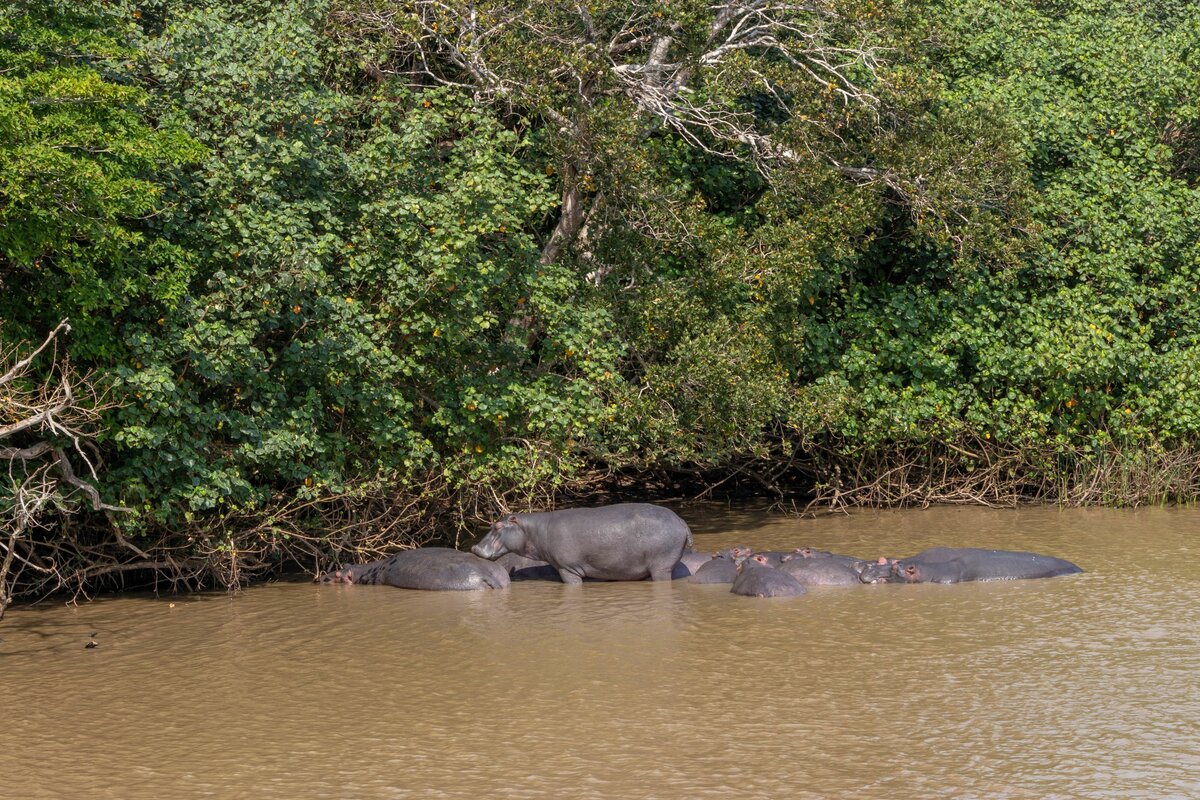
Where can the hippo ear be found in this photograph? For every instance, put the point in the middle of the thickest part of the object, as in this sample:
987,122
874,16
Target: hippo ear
512,518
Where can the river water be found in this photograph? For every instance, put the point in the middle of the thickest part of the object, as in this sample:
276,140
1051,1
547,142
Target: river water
1086,686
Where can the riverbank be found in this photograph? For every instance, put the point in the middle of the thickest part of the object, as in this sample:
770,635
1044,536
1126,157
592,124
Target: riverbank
323,531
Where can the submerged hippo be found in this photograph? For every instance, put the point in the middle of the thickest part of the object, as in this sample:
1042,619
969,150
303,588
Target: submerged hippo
773,557
821,571
719,570
622,542
691,560
879,571
436,568
822,555
757,578
962,564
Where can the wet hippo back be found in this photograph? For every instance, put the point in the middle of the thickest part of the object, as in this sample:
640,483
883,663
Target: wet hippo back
718,570
431,568
809,553
964,564
821,572
693,560
766,582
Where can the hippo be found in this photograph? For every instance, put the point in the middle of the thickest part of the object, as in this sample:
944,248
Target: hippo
879,571
963,564
692,560
758,579
821,572
735,554
809,553
621,542
435,568
774,557
718,570
521,568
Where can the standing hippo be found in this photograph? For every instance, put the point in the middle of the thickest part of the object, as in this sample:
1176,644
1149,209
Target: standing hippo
623,542
963,564
436,568
757,578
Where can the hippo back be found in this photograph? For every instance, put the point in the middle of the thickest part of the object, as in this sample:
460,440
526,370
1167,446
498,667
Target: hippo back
432,568
821,572
766,582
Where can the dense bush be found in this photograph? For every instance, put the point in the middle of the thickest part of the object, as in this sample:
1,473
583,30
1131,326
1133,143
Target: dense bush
1087,342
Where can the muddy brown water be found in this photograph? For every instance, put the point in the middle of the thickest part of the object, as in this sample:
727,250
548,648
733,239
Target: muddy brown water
1084,686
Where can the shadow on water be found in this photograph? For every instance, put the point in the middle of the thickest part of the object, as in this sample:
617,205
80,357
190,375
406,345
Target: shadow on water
706,517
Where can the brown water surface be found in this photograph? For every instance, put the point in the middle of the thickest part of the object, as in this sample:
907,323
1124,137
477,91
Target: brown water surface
1085,686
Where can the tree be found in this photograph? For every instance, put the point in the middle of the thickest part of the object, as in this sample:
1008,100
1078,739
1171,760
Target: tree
49,417
78,155
741,79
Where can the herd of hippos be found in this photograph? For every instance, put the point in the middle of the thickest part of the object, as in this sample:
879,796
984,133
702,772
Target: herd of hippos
634,541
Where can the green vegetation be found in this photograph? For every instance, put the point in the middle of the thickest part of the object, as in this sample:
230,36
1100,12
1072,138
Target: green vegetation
351,274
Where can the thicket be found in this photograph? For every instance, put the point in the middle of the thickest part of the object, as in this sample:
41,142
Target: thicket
350,275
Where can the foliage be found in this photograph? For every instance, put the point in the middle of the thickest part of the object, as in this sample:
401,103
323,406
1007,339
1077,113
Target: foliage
371,303
1089,341
77,158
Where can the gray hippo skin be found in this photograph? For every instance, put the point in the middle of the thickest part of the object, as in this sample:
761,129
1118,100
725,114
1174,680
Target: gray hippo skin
880,571
821,572
762,580
623,542
809,553
693,561
434,568
774,557
718,570
963,564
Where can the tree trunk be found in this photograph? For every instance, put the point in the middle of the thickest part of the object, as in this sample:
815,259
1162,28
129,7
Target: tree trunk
5,594
570,218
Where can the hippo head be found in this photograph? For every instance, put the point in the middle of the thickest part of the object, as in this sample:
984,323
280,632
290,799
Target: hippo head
753,561
907,572
881,571
735,554
343,575
505,536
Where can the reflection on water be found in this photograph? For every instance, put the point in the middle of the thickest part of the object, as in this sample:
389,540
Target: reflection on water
1083,686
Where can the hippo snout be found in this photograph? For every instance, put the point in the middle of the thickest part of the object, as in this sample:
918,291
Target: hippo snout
479,551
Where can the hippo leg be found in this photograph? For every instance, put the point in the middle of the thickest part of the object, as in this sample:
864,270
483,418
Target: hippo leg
569,577
661,574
